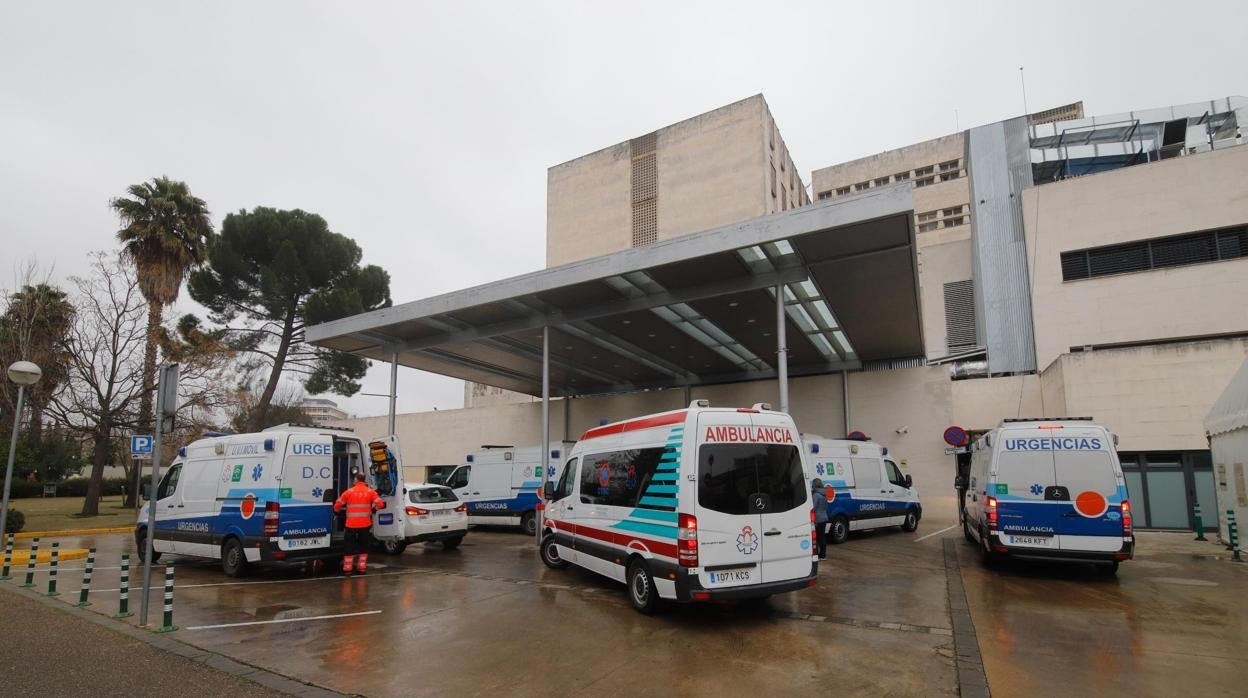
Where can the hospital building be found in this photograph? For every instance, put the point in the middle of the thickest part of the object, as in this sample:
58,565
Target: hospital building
1051,264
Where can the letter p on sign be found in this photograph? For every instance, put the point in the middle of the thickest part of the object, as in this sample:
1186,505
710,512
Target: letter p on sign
140,446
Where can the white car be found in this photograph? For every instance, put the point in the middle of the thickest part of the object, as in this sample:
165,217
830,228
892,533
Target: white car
431,513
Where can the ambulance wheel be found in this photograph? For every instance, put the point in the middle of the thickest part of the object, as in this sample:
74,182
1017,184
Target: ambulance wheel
233,559
550,554
140,541
838,530
452,543
528,524
966,531
911,523
641,590
394,547
1109,570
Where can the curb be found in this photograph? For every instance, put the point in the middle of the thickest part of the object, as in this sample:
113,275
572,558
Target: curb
22,557
72,532
220,662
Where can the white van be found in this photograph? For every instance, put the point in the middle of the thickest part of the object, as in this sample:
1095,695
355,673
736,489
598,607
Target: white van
690,505
269,496
500,483
1049,489
866,487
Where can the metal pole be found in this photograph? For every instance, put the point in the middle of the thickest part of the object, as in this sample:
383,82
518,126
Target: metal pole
394,387
8,558
845,398
541,514
151,502
8,470
782,350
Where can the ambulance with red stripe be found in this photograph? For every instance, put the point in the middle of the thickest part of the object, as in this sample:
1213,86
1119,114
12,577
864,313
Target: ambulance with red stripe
1049,489
698,504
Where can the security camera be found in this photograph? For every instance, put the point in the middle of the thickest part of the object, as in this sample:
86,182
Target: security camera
903,429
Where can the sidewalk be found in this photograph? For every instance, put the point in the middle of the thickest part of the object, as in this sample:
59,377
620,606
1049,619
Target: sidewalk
48,650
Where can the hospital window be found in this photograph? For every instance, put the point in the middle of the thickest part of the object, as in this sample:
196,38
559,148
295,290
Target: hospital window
1157,253
842,191
881,181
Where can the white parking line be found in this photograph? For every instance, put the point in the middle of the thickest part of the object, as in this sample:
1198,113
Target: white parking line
282,620
937,533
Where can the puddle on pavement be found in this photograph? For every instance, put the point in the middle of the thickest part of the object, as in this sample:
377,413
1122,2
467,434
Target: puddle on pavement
274,611
1185,582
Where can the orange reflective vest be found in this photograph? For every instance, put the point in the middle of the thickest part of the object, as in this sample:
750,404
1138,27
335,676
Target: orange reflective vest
359,502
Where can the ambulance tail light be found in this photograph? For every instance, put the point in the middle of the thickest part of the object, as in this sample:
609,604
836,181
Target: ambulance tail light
1126,518
272,515
416,511
687,541
990,509
462,509
814,533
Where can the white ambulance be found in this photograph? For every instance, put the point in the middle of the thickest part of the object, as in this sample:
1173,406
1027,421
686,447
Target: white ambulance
1049,489
691,505
500,484
268,496
866,486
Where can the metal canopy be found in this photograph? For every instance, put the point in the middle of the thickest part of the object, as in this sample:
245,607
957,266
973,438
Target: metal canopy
694,310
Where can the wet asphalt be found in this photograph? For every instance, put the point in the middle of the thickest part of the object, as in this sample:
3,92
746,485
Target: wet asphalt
490,619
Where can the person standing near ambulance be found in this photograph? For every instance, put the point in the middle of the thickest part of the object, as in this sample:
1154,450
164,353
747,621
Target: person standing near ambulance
359,502
819,499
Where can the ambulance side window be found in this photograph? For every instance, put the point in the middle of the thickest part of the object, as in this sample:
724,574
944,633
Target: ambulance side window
459,478
566,481
894,474
169,483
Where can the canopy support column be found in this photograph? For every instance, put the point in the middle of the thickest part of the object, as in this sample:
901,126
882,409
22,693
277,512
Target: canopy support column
545,455
782,350
394,390
845,398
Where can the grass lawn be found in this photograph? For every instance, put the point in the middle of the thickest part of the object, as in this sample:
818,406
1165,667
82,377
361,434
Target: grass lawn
61,513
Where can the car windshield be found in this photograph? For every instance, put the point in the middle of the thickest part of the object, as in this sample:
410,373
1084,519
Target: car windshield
431,495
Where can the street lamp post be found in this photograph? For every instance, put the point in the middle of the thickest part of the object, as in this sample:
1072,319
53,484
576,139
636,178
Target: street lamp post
23,373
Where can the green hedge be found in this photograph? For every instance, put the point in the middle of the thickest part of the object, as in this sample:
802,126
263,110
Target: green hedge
16,521
73,487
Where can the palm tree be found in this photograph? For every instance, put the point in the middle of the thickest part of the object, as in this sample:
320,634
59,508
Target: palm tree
165,233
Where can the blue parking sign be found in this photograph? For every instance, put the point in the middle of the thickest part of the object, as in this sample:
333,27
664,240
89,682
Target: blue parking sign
140,446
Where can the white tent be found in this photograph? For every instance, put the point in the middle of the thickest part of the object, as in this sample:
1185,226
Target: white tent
1227,426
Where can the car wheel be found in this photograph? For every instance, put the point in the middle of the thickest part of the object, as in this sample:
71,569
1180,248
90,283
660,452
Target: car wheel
233,559
452,543
528,523
966,531
641,590
1109,570
140,541
550,554
838,530
393,547
911,523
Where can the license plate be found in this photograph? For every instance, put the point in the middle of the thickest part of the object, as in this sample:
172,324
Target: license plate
731,576
301,543
1032,541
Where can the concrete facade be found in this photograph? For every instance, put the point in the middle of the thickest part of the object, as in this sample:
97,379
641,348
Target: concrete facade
1180,195
936,169
724,166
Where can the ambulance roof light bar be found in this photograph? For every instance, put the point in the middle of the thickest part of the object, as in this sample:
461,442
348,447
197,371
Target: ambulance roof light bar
1046,419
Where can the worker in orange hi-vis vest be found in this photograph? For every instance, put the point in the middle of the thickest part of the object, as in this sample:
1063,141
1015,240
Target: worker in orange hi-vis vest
360,501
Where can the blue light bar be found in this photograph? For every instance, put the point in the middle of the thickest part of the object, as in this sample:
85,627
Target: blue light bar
814,448
269,444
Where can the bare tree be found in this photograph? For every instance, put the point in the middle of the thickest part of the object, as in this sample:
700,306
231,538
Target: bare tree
105,363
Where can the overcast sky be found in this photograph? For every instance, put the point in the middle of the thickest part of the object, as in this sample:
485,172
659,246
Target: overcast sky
424,130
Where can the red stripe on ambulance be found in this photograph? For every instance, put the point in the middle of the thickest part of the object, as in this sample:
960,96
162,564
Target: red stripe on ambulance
661,420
